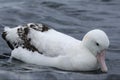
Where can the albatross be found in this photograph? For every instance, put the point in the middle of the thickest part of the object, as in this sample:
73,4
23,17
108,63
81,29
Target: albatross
41,45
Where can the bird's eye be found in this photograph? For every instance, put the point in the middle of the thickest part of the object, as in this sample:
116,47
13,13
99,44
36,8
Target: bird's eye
97,44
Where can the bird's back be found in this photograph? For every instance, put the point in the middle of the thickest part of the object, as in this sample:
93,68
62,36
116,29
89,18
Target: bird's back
52,42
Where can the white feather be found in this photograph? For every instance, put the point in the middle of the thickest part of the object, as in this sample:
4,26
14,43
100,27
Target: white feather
60,50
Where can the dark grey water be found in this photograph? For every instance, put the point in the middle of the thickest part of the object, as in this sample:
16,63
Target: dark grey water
73,17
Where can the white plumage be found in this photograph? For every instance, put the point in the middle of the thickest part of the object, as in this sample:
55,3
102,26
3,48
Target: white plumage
65,52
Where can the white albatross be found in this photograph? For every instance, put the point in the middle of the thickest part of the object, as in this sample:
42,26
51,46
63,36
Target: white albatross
65,52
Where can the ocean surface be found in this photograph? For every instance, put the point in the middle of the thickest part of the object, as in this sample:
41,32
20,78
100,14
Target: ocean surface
73,17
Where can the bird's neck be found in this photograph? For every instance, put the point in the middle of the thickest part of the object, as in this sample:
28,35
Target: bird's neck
90,48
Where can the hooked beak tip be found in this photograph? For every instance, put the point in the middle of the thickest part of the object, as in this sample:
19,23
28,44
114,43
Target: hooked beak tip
105,70
101,60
